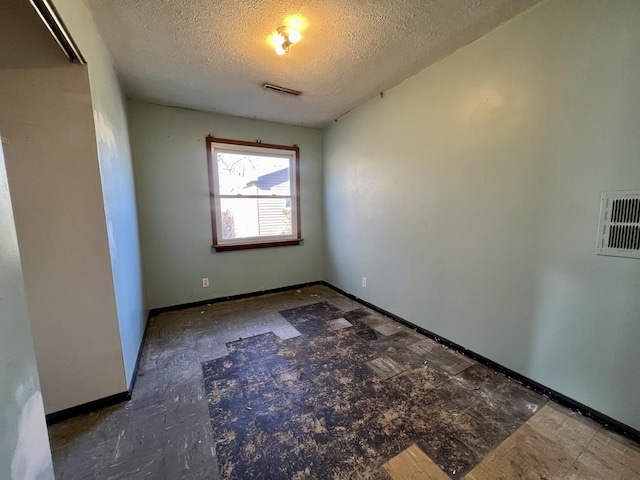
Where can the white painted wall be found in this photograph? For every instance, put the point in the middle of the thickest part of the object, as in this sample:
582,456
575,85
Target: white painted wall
469,197
170,159
116,175
52,165
24,443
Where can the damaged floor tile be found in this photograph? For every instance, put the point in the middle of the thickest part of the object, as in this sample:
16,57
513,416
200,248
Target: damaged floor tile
339,323
215,351
557,443
437,354
388,329
284,333
386,367
309,384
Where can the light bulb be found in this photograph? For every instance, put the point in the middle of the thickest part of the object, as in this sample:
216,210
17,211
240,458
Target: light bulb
294,36
279,39
280,50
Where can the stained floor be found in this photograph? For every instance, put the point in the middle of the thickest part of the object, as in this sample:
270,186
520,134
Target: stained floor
308,384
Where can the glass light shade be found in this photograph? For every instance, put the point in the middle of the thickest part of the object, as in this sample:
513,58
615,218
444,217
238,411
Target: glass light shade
294,36
280,50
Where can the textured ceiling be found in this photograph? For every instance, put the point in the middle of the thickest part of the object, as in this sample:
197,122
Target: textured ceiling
214,55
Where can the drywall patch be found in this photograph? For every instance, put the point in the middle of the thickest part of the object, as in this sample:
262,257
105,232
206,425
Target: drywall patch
32,456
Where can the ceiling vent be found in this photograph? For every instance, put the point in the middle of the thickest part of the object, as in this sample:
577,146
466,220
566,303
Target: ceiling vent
619,226
276,88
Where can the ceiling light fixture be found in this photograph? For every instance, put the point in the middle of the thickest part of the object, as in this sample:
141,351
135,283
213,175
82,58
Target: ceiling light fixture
285,38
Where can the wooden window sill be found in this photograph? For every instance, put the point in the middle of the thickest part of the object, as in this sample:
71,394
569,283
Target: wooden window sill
247,246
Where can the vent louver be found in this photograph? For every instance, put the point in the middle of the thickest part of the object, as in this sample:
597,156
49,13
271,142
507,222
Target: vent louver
619,226
279,89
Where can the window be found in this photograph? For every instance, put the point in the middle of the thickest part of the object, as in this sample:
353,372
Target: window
255,194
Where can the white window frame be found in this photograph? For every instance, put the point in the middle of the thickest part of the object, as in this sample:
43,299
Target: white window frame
216,145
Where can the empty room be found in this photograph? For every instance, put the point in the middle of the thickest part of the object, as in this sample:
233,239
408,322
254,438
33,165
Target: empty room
320,239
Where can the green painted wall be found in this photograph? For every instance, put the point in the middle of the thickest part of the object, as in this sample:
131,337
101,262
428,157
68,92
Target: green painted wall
116,176
469,198
46,113
168,146
24,443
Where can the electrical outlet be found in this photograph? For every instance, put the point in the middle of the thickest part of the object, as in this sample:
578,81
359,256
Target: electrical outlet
5,140
205,282
364,282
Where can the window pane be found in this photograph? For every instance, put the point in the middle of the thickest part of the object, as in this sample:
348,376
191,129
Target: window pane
255,217
242,174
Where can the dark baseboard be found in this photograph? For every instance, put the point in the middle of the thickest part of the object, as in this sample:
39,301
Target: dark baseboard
172,308
157,311
132,383
557,397
111,400
88,407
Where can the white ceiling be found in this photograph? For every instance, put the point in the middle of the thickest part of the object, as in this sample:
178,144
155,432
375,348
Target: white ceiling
214,55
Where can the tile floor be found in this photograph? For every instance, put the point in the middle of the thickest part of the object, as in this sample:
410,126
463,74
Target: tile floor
165,431
561,445
339,403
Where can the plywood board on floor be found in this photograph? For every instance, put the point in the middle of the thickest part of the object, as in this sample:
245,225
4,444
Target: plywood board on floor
414,464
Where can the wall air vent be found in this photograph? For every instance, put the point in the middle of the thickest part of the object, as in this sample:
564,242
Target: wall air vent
276,88
619,226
